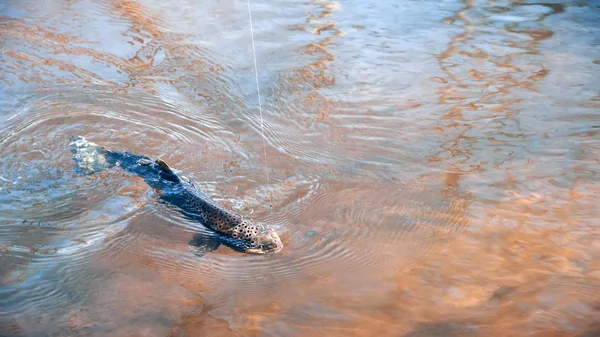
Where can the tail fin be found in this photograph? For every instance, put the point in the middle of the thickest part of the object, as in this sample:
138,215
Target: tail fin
89,157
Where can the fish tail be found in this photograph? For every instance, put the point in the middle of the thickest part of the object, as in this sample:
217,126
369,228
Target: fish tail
89,157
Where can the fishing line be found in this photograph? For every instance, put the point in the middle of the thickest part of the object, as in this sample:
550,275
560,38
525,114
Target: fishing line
262,128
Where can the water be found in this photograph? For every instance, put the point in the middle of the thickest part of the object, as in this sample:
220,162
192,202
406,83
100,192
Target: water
433,167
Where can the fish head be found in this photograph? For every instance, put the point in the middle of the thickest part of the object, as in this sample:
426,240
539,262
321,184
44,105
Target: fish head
257,238
267,242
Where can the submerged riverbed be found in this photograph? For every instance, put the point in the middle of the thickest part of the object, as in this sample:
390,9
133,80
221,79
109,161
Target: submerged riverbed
432,167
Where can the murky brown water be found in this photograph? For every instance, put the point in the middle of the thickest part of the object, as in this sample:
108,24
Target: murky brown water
433,167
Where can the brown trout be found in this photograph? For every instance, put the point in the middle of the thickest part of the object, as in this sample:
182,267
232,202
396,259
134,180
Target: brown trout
233,230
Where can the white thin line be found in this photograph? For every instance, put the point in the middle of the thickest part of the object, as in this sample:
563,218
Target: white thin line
262,128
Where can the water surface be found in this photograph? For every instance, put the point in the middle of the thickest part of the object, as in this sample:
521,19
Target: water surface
431,166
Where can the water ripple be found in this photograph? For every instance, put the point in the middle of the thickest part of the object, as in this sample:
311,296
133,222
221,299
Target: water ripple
430,162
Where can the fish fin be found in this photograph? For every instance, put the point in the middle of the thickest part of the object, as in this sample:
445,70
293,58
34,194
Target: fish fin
163,165
201,244
89,157
166,172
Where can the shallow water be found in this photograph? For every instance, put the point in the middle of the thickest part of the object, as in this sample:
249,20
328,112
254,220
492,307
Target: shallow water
431,166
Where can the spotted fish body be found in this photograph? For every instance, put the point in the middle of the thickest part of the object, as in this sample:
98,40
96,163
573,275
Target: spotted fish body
235,231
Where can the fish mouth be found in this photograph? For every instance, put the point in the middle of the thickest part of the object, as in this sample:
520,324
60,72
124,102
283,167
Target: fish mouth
277,239
278,245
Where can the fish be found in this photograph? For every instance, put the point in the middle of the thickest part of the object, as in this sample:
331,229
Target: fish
233,230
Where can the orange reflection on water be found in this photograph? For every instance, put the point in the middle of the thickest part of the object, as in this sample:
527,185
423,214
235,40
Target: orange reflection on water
496,235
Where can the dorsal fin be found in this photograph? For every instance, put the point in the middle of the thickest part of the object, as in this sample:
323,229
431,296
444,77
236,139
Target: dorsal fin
166,172
163,166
